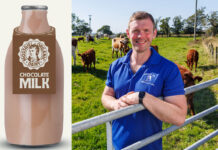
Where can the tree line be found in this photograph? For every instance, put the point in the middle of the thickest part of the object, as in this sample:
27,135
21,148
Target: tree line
206,24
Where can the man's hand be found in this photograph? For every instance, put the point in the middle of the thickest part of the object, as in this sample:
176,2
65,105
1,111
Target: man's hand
162,109
110,102
130,98
126,100
118,104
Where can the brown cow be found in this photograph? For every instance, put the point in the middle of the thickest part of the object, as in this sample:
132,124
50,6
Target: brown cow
90,38
126,50
88,57
189,80
74,48
119,45
80,39
192,58
155,47
74,42
122,36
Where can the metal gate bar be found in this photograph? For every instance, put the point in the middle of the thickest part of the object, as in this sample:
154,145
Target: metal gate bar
106,117
158,135
200,86
109,136
202,141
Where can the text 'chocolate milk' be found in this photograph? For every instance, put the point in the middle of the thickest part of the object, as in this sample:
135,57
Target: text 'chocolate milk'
34,82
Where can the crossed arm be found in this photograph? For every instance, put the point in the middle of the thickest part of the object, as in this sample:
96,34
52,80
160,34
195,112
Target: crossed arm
172,110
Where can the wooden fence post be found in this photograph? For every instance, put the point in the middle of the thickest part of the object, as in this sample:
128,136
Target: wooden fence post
216,54
211,51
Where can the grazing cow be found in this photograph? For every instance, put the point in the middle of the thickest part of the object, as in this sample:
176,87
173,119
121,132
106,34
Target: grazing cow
122,36
88,57
155,47
89,38
126,50
192,58
98,36
111,36
119,45
74,48
80,39
106,35
189,80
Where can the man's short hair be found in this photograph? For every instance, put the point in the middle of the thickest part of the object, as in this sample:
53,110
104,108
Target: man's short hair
139,15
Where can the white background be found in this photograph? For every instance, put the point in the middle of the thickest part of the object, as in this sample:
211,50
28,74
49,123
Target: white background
59,16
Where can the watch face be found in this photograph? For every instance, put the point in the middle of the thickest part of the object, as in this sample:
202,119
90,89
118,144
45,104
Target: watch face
141,94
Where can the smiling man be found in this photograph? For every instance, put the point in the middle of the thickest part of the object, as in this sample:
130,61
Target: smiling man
147,75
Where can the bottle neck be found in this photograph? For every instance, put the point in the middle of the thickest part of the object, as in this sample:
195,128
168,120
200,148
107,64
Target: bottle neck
34,21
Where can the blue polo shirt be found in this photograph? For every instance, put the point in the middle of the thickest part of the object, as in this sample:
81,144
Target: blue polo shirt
158,77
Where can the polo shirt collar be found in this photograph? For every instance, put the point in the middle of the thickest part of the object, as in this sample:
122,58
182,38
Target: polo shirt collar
153,59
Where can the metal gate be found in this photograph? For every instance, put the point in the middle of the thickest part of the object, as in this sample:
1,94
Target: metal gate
109,116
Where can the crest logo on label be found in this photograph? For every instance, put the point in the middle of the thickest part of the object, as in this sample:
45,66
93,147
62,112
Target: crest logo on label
33,54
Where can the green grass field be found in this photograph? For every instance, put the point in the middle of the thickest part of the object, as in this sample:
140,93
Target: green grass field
88,87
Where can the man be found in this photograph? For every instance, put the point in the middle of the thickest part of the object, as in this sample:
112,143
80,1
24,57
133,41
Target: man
150,76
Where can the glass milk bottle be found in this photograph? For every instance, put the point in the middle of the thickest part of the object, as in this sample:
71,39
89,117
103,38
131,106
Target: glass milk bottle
36,118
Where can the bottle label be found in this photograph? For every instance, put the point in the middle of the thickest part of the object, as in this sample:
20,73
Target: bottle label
34,62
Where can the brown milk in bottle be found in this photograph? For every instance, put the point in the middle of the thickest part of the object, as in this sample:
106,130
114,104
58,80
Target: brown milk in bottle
33,119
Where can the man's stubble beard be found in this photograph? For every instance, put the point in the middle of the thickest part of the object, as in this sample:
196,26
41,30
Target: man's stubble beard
138,50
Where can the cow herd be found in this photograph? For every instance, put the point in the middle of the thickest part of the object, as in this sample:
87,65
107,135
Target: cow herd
88,57
120,45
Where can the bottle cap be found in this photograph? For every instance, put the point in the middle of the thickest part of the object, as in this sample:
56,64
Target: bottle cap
31,7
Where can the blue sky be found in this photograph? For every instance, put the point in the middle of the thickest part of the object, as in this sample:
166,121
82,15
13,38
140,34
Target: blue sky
116,13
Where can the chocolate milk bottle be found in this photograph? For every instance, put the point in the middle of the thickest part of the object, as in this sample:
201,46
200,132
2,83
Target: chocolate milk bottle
34,119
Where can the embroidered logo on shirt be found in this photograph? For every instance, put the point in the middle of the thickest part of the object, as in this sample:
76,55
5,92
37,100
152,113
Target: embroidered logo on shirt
149,78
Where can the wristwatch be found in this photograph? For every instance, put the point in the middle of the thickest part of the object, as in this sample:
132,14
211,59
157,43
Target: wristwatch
141,96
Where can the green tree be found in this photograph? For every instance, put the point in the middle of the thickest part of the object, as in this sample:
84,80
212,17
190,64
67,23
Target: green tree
201,22
213,22
177,25
79,27
164,26
105,29
156,22
189,27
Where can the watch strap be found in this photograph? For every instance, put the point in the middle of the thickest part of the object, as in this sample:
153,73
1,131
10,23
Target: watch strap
141,96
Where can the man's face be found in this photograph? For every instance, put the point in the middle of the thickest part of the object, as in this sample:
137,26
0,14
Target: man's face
141,34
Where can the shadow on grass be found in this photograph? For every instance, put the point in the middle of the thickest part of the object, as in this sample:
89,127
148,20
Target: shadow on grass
208,67
102,74
203,100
